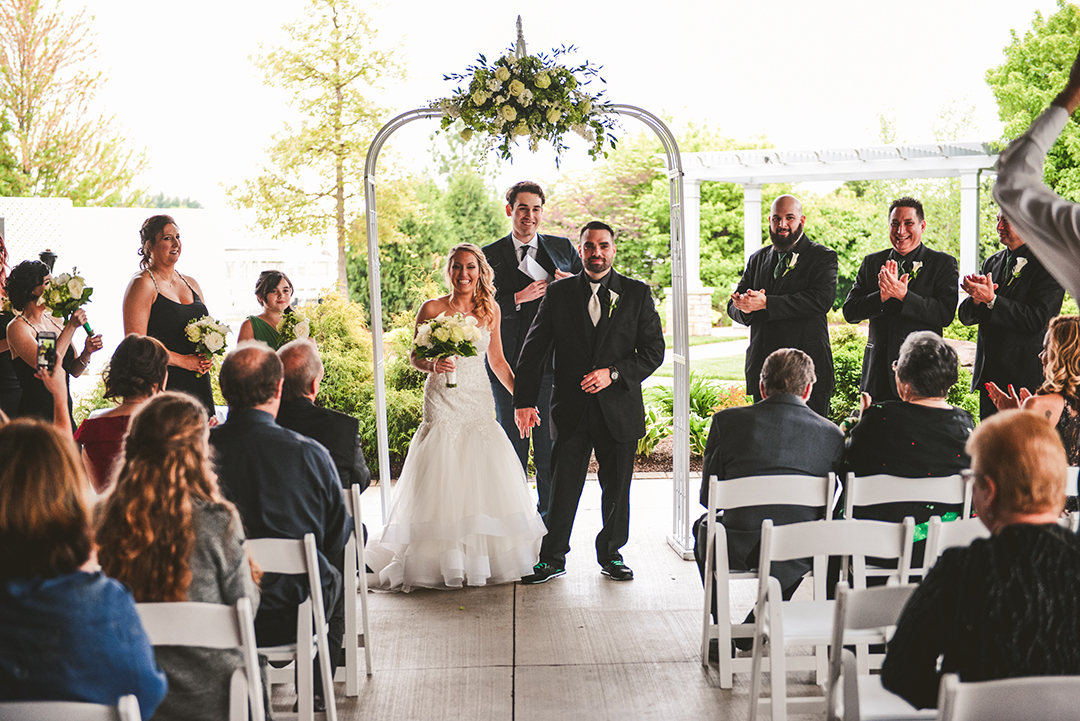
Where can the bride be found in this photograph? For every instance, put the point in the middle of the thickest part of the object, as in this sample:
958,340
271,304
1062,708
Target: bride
462,509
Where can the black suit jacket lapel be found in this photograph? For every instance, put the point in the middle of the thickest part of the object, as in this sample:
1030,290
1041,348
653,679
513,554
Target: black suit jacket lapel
543,256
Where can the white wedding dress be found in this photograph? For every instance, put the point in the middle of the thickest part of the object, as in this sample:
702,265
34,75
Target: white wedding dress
462,511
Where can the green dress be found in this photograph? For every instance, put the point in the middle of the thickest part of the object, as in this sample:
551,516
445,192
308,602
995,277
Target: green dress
265,332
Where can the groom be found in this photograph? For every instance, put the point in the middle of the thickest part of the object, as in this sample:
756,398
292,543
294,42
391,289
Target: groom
517,260
607,339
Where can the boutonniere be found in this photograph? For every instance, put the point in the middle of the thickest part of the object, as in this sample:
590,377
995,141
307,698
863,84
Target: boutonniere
791,263
1020,263
915,268
614,302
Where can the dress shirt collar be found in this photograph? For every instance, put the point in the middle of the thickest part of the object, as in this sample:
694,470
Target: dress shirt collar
532,242
250,416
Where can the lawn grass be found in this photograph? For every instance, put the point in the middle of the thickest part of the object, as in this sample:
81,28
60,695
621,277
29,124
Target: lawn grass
669,340
724,368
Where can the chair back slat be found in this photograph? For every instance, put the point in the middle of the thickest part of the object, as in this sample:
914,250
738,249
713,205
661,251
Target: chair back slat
126,709
794,490
882,488
941,536
1048,698
866,538
279,555
207,625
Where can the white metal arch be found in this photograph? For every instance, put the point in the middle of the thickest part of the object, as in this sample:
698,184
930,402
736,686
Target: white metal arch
680,538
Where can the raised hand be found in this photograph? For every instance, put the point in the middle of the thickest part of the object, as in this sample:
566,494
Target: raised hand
532,291
750,301
980,287
1007,401
889,285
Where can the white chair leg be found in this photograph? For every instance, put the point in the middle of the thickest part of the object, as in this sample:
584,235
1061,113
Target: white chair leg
352,649
777,656
305,682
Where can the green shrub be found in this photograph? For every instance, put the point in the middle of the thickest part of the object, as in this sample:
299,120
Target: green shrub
657,428
707,396
961,396
958,331
92,401
848,345
1068,307
339,328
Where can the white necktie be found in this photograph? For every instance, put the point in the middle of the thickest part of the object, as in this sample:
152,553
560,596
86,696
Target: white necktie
594,304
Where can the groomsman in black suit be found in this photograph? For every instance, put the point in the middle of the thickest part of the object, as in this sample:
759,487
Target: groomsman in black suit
607,339
519,295
1012,302
902,290
784,296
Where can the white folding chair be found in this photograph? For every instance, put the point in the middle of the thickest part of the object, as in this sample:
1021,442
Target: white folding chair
212,625
295,557
809,623
1047,698
356,594
794,490
883,488
1072,481
960,532
872,610
126,709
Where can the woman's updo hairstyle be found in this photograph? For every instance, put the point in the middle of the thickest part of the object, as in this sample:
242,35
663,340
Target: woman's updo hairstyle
22,280
148,234
138,364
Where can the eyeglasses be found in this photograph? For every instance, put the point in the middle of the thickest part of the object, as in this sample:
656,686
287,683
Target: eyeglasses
895,365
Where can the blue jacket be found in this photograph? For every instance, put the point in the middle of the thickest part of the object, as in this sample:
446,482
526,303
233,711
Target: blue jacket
75,637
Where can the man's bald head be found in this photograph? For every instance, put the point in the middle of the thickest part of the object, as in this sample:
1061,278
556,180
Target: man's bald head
251,375
786,221
303,368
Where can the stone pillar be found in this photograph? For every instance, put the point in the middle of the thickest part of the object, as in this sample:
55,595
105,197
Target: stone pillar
699,311
969,222
751,220
692,221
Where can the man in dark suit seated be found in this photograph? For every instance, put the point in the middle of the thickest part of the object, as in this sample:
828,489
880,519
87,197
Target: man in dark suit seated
338,432
778,435
284,485
900,291
1012,302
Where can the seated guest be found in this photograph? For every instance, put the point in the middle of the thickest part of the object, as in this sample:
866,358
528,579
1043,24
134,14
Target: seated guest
1058,398
777,435
284,485
1006,606
337,432
169,535
67,633
920,436
137,370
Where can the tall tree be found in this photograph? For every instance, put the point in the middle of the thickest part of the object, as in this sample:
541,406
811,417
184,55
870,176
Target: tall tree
1036,67
315,177
60,148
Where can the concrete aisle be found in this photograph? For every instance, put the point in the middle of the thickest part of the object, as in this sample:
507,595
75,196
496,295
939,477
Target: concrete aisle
577,647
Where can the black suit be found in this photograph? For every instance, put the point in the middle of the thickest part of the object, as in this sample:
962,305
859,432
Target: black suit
778,435
629,338
553,252
337,432
930,304
797,303
1011,333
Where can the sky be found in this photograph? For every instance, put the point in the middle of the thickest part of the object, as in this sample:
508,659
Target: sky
804,74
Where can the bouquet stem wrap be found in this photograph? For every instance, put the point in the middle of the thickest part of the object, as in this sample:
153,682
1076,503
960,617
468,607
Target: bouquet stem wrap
451,376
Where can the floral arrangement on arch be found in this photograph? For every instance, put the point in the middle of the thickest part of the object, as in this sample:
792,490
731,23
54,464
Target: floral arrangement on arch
529,96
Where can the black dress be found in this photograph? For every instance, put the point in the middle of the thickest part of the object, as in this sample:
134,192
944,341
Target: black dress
168,323
10,390
36,401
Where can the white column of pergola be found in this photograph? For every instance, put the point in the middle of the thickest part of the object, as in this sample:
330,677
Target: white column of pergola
754,168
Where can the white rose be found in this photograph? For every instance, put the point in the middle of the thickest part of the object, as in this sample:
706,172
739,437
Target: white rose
502,74
542,80
457,335
424,342
213,342
75,287
507,112
473,334
471,320
516,88
194,333
302,329
553,115
441,335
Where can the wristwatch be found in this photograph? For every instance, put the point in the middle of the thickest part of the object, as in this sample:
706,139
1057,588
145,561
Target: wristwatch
614,373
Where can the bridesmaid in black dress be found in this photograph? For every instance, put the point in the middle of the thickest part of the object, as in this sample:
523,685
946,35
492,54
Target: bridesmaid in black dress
24,286
159,302
10,391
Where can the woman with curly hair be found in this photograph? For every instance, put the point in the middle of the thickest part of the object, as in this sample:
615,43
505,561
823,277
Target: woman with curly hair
67,632
160,302
138,369
274,292
463,512
169,534
24,286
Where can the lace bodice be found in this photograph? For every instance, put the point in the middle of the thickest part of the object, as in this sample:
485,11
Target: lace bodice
469,407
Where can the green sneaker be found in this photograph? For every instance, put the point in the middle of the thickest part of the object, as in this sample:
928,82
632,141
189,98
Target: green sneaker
542,572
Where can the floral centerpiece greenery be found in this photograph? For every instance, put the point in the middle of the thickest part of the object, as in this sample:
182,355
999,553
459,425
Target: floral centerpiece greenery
66,293
529,96
208,335
445,337
293,326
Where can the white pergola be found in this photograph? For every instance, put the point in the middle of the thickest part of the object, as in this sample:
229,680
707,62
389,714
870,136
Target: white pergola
754,168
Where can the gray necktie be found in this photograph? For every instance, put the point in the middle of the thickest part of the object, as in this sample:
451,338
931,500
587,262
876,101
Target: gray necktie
594,304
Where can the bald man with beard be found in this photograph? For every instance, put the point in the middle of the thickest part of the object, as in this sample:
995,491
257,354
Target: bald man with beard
784,296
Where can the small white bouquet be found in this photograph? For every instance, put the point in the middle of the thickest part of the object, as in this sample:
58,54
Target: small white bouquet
66,293
293,326
446,337
208,335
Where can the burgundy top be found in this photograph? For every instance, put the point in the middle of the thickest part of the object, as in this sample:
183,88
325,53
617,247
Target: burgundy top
102,438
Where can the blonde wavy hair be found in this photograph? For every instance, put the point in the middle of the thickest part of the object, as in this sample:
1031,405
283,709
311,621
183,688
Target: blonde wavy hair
484,295
146,533
1062,357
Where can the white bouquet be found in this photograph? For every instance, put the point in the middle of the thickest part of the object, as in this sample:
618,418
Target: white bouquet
293,326
446,337
208,335
66,293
